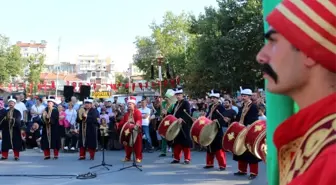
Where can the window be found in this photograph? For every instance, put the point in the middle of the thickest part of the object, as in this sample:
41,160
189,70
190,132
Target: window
93,74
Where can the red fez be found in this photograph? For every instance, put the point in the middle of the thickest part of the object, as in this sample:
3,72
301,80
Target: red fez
310,25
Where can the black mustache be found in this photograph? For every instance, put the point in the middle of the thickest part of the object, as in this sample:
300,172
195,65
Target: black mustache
266,68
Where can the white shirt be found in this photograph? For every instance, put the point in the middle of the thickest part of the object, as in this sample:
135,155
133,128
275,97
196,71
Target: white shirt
39,109
146,110
263,117
20,107
71,116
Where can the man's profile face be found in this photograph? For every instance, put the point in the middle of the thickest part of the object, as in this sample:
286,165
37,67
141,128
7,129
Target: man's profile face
143,103
245,97
50,103
11,104
254,96
88,105
130,106
179,96
284,61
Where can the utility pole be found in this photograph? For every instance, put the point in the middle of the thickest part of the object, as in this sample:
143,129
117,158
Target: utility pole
57,66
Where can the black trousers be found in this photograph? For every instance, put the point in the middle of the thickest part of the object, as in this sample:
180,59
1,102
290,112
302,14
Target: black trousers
71,141
104,141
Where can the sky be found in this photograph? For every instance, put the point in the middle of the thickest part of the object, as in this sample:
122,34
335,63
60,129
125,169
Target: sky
104,27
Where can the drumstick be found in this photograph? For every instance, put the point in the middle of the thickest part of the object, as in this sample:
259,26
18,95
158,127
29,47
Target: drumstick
220,114
188,114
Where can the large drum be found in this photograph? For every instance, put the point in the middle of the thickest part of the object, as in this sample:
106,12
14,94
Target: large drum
125,136
169,127
233,139
261,151
203,131
254,133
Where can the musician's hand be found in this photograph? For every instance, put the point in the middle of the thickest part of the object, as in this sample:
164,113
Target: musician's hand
226,119
194,119
85,115
216,120
136,127
164,111
180,120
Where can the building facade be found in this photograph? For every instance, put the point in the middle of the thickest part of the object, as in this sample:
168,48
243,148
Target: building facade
98,70
64,67
32,48
28,49
137,76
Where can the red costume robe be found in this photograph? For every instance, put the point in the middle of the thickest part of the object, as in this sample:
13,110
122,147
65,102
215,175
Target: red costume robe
137,119
306,144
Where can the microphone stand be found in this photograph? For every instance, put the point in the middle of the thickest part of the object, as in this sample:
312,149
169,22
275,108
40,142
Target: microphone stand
103,164
134,164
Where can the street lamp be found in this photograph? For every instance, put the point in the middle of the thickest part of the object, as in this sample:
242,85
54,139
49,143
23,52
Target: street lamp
159,59
58,65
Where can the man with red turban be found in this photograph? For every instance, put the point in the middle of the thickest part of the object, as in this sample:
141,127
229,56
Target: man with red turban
133,116
299,60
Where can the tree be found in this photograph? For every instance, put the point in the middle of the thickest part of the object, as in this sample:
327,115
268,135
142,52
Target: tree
228,40
123,80
35,64
215,50
171,39
11,63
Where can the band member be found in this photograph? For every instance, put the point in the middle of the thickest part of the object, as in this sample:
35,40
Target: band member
88,123
167,108
11,131
299,61
247,114
215,149
229,113
133,116
50,132
183,141
155,121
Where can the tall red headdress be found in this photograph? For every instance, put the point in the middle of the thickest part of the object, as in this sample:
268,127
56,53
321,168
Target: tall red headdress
310,25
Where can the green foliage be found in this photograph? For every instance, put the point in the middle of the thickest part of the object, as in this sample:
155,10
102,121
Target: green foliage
11,63
227,43
36,64
121,79
217,49
171,39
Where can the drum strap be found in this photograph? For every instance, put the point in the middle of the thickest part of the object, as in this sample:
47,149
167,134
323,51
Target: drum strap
179,104
130,117
213,108
246,108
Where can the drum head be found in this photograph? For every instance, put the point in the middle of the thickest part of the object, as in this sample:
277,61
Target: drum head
239,146
259,140
172,131
121,134
208,133
133,140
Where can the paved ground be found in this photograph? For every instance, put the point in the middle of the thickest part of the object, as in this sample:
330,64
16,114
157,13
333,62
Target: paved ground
155,171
